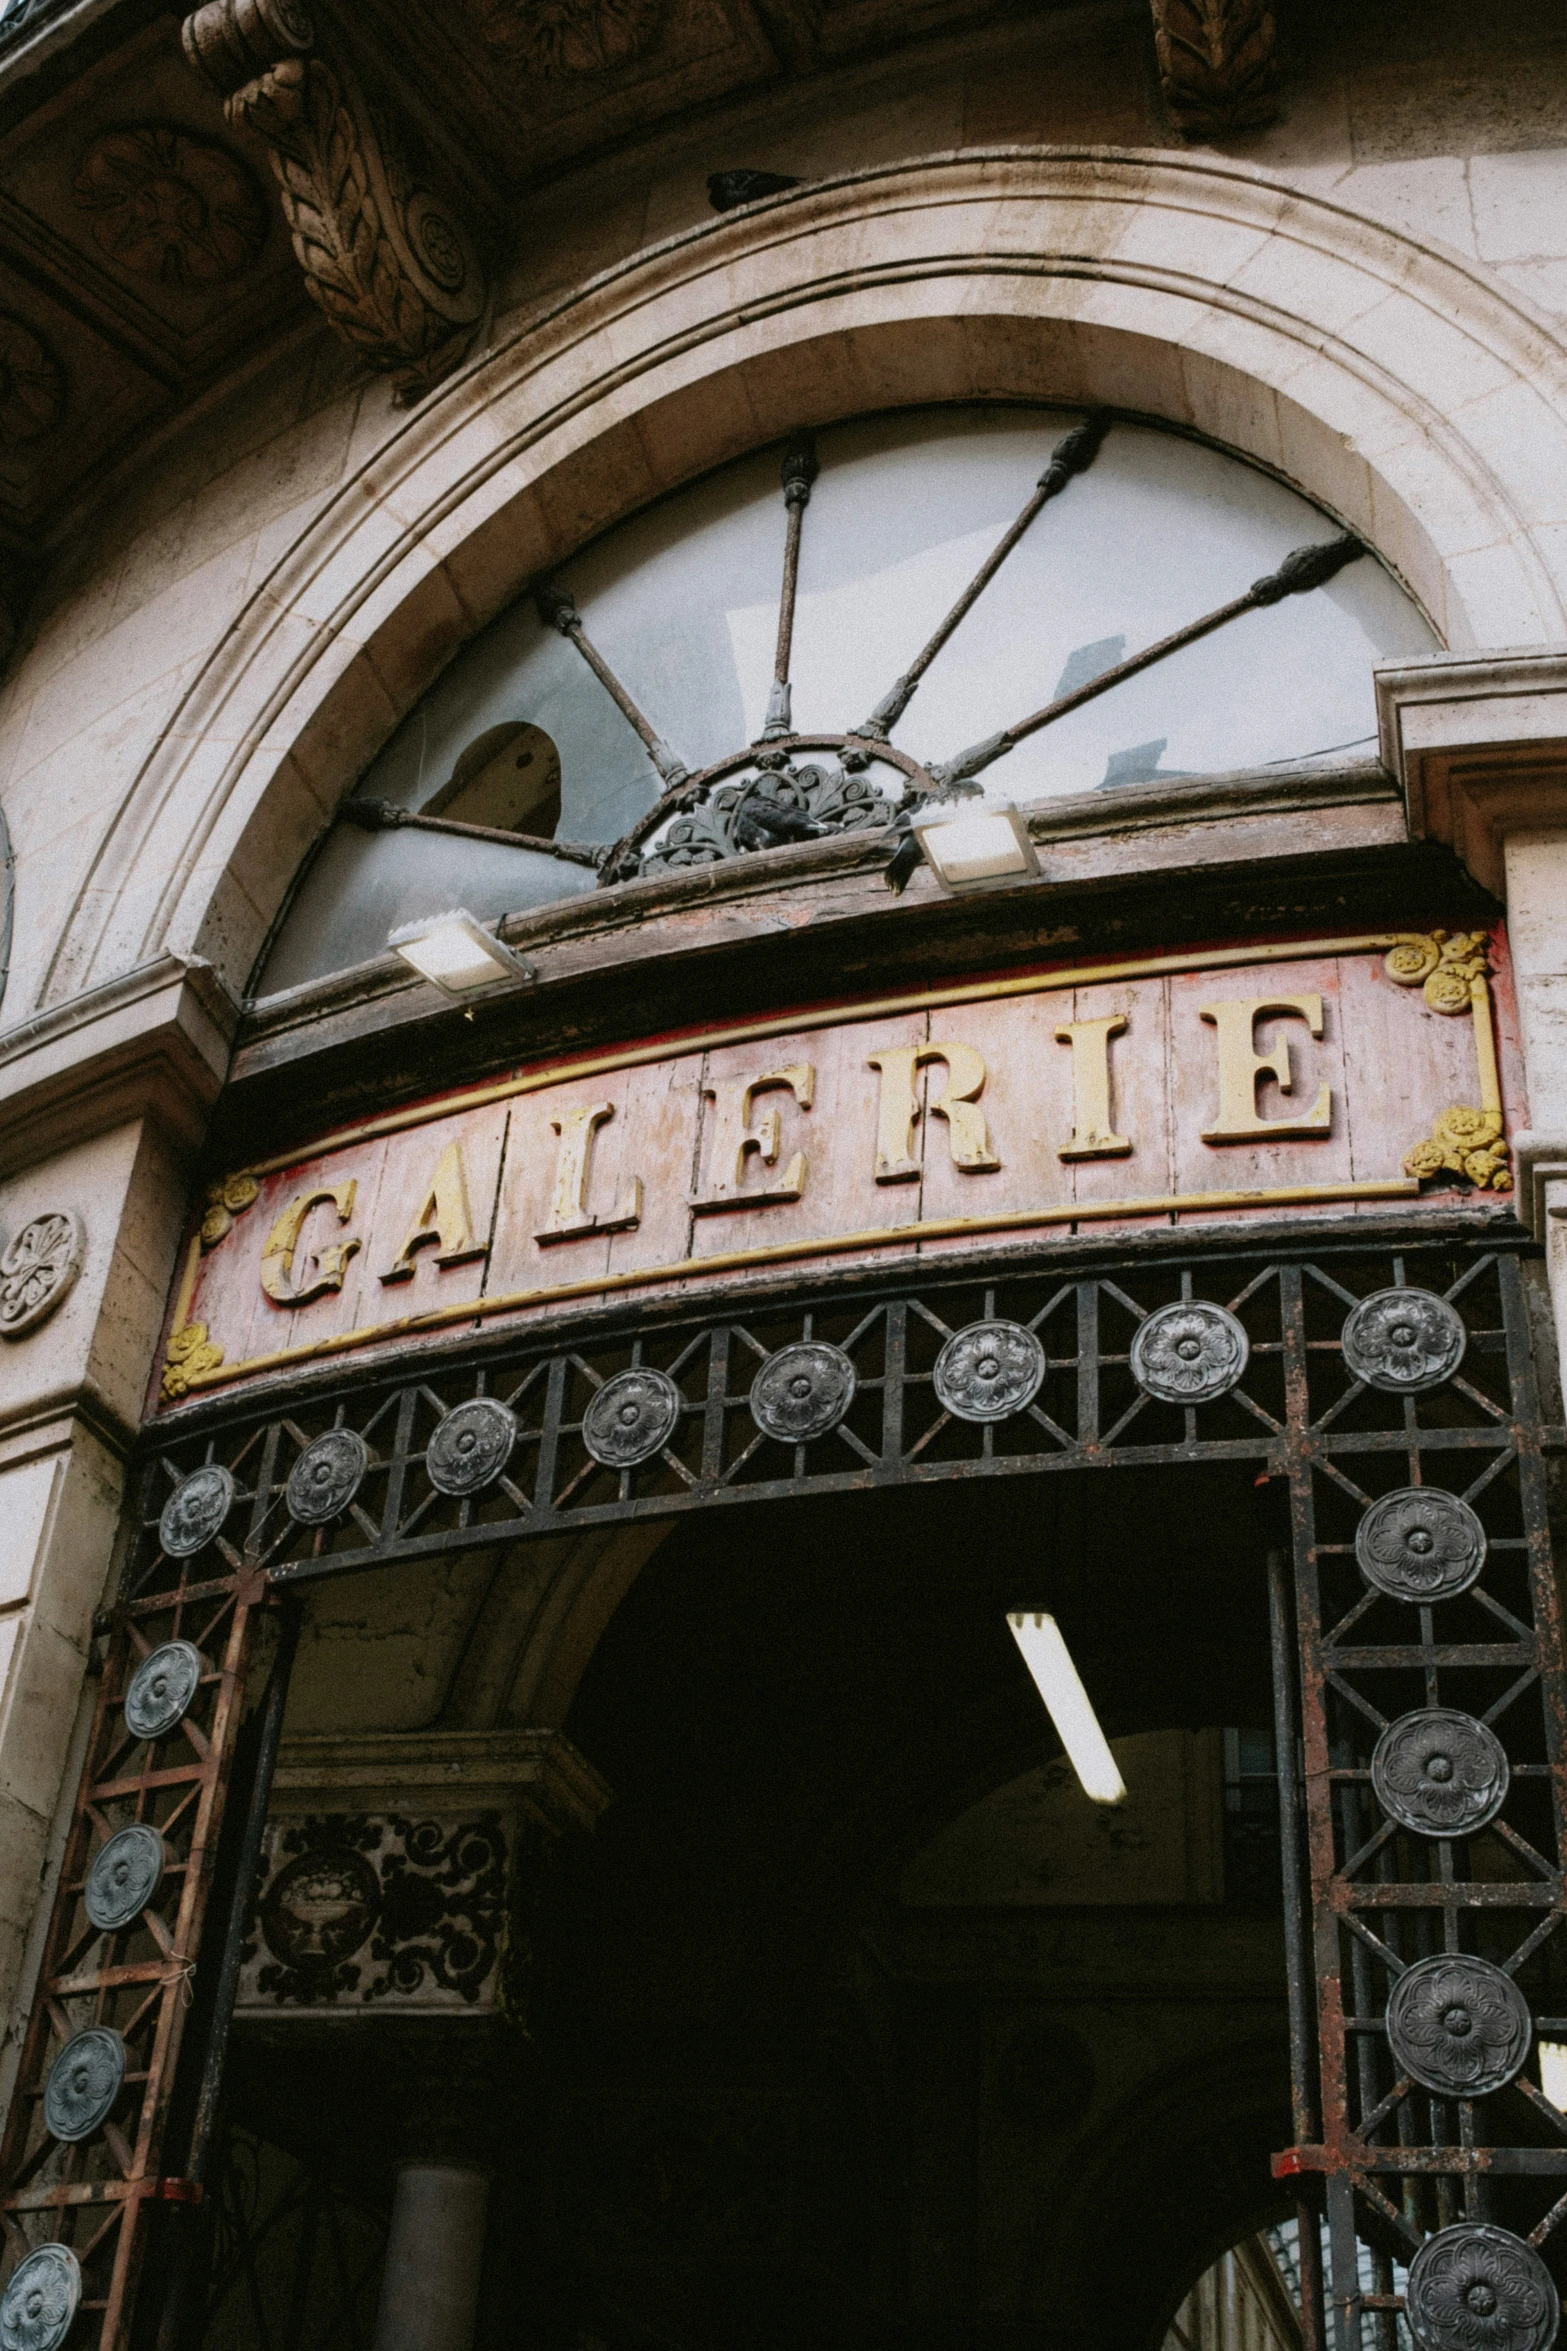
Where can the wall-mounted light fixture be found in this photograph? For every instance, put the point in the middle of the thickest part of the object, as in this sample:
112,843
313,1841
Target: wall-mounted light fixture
456,954
968,848
1553,2071
1060,1685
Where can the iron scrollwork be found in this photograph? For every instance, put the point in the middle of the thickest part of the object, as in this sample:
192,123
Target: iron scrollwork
778,801
1475,2287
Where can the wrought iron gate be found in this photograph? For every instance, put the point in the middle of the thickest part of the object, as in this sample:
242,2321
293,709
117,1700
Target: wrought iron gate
1387,1397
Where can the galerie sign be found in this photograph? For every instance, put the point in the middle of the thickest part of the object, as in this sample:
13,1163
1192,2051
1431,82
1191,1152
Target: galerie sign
1329,1073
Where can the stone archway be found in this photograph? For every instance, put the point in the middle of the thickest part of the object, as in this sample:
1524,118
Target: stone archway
1389,381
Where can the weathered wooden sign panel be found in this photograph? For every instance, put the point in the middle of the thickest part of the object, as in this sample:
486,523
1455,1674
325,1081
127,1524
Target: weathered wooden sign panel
1323,1073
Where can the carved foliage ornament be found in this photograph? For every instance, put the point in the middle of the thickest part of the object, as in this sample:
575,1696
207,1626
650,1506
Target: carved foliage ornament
1189,1353
1440,1772
1404,1341
1450,968
40,2300
802,1391
370,1908
84,2082
171,207
32,384
779,801
989,1370
386,255
1458,2026
631,1418
559,38
37,1270
1218,65
1420,1544
1479,2288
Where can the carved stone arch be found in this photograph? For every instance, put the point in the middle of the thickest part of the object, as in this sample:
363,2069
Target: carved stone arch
1394,383
539,1624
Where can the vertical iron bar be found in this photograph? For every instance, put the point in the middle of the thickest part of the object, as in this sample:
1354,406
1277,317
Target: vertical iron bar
1302,2098
798,472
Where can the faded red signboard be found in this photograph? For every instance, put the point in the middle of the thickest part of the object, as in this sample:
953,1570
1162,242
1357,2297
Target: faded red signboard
1322,1074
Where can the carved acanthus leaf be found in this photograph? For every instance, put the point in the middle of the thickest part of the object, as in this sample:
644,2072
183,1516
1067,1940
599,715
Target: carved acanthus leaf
1218,64
559,38
387,257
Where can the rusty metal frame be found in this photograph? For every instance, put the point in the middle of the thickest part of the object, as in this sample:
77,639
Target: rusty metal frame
1298,1424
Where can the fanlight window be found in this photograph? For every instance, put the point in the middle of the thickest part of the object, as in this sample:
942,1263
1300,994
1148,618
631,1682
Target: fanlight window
1010,603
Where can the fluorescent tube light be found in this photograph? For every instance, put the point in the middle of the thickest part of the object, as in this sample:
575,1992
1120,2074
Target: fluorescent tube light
1553,2072
1059,1684
456,954
969,847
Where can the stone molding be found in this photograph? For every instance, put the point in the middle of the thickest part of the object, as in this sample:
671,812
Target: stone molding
386,253
1480,747
1396,384
153,1042
536,1774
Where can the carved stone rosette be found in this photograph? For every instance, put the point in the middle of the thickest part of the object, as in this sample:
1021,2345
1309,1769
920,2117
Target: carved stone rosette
327,1476
1189,1353
194,1513
84,2082
385,253
125,1876
471,1446
1458,2025
1218,64
38,1269
989,1370
1475,2285
161,1689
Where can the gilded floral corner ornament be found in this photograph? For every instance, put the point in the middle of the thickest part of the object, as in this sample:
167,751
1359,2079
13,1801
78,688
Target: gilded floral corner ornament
190,1352
1451,969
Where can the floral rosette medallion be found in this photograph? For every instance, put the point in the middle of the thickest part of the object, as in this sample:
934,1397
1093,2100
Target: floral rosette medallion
1458,2026
1420,1544
1190,1353
631,1418
802,1391
1474,2287
989,1370
471,1446
40,2300
1439,1772
1403,1341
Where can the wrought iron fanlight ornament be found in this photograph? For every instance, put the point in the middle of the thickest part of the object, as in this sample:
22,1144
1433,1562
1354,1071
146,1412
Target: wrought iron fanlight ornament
788,787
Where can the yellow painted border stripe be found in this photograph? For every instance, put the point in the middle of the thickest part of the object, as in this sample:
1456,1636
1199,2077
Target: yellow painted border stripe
783,1252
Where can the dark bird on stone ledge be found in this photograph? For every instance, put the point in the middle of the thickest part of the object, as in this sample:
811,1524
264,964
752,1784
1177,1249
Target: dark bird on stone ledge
726,189
768,824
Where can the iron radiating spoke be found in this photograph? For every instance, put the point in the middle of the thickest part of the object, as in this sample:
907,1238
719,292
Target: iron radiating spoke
798,472
557,609
1072,455
1306,568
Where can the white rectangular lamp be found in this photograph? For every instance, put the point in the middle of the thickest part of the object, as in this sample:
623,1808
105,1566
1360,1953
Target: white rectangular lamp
970,847
457,954
1553,2072
1060,1685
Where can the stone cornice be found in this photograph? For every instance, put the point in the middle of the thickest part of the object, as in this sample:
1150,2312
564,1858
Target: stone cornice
537,1773
1479,743
152,1043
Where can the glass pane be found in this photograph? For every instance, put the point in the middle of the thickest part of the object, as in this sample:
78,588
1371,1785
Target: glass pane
683,603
